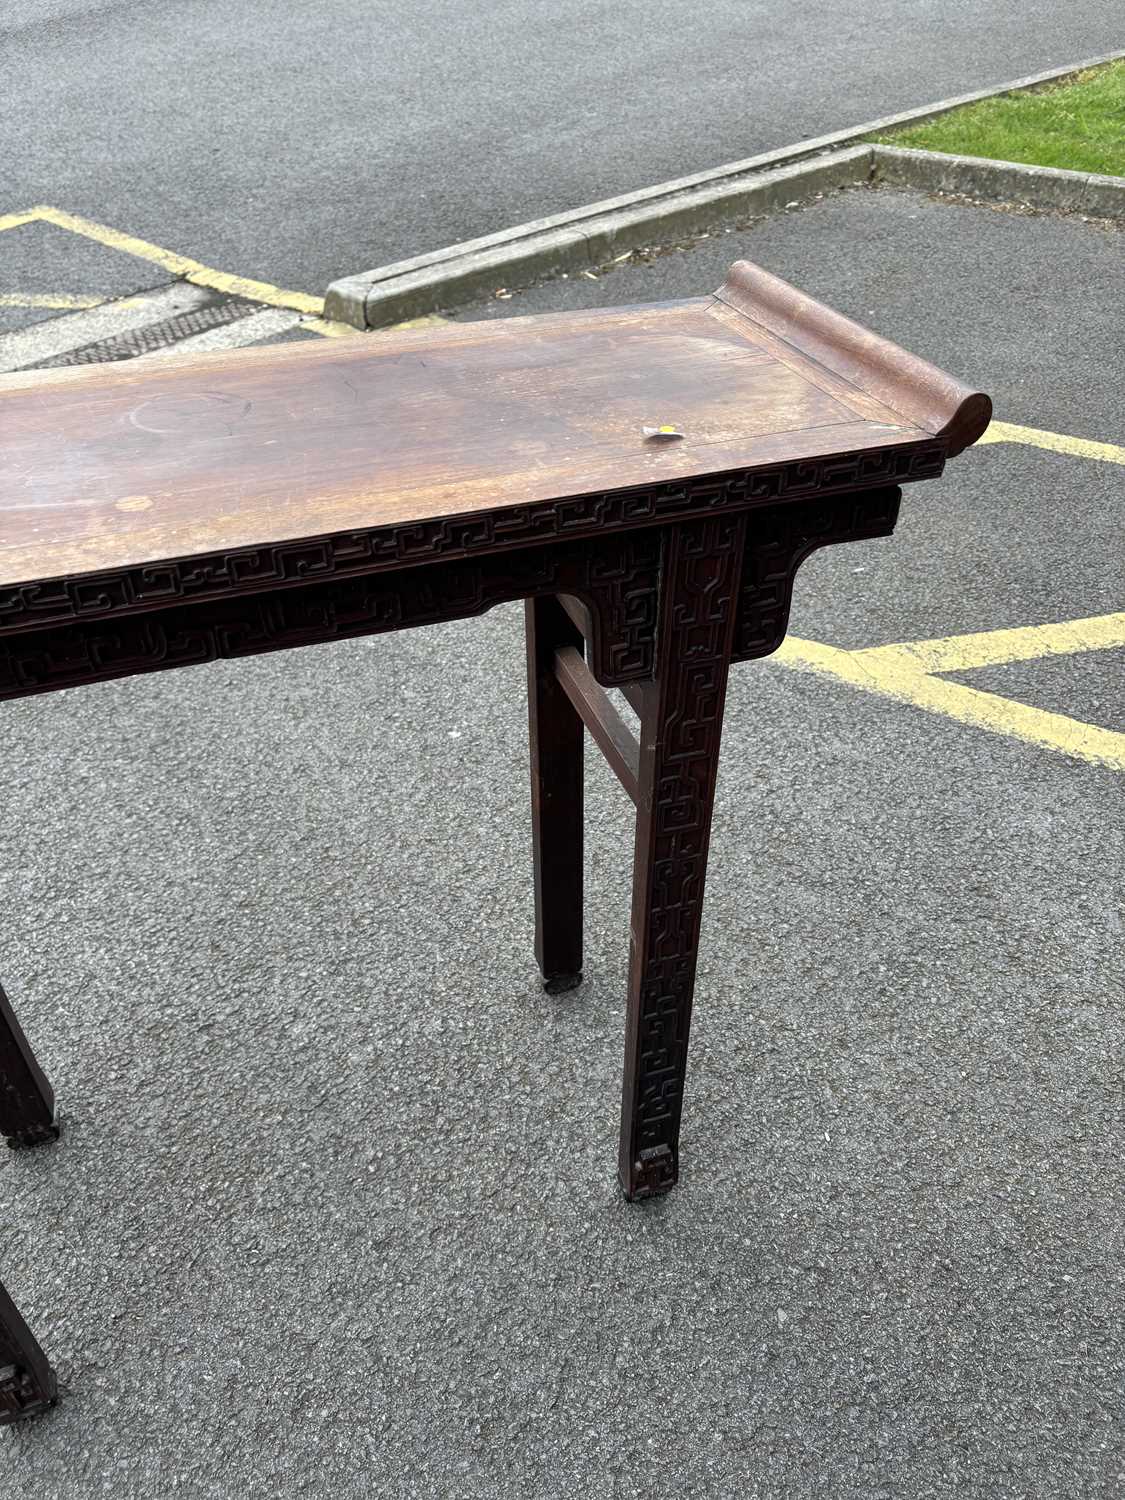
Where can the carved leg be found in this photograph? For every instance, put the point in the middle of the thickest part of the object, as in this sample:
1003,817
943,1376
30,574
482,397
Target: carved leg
27,1101
27,1118
27,1382
556,799
681,722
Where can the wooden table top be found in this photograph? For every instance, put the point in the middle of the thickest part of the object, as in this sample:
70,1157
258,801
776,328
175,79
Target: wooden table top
125,464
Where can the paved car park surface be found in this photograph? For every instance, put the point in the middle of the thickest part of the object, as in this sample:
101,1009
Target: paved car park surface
298,143
335,1210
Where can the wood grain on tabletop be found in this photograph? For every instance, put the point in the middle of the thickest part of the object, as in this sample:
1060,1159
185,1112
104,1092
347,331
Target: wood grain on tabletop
131,462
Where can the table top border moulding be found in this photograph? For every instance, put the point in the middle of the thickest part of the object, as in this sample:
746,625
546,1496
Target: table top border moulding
948,417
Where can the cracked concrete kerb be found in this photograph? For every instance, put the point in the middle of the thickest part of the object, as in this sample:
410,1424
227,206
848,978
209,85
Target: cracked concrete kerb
516,257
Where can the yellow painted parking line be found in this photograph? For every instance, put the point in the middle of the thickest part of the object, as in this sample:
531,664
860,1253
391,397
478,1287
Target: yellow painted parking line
906,672
906,683
991,648
13,221
428,320
49,300
329,328
176,265
1055,442
191,270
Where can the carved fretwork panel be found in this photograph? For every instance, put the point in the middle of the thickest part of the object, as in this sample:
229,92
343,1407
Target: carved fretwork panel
615,576
682,723
779,538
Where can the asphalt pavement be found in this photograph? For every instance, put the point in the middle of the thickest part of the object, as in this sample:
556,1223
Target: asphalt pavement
299,143
335,1211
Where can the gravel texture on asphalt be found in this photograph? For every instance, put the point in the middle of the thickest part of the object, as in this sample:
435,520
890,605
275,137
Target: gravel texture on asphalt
335,1210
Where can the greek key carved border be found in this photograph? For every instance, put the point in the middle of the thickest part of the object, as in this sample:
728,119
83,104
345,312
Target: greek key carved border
616,576
348,554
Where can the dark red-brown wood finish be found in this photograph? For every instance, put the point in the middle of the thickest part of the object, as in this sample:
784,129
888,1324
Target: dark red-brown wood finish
159,516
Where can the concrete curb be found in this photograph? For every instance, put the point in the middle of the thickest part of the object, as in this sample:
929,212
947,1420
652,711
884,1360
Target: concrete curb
446,278
1003,181
392,295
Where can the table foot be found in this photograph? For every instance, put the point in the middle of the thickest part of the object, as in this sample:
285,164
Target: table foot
652,1174
21,1396
558,984
27,1382
34,1135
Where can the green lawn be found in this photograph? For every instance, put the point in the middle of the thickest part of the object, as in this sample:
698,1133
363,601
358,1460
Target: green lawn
1079,125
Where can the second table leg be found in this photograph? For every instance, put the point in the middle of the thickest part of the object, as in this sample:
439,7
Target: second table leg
556,734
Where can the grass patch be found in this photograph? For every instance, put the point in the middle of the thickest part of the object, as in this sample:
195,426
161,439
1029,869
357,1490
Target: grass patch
1078,125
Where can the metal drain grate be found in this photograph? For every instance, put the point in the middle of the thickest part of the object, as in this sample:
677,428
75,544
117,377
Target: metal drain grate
153,336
